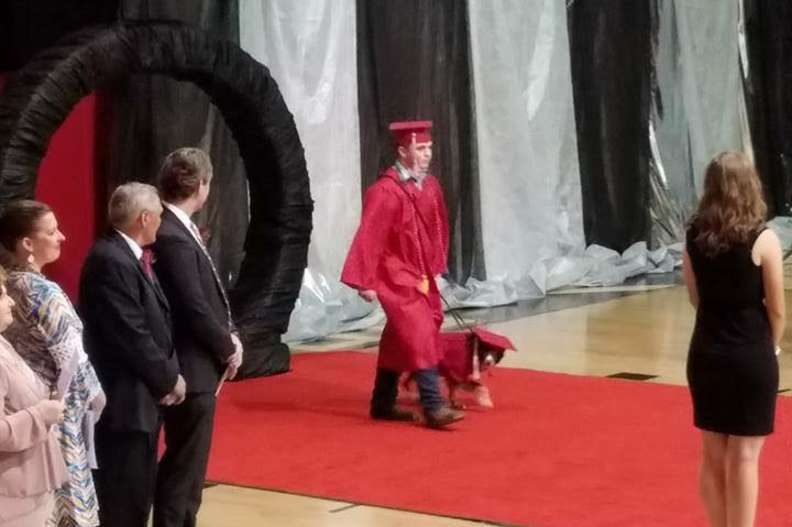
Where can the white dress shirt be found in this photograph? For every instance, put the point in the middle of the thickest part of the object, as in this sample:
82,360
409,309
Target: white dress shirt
185,219
136,249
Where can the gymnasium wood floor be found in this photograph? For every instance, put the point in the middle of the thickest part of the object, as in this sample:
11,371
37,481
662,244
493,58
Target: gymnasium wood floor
646,332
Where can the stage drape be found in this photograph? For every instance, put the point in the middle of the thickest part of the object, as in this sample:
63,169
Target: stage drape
153,115
611,54
30,26
309,47
768,25
699,106
67,182
527,145
414,63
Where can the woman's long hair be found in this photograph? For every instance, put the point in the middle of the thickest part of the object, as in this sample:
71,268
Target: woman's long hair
732,208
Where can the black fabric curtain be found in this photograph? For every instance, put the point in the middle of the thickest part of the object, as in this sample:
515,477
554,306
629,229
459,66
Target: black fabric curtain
768,25
150,116
611,55
29,26
414,63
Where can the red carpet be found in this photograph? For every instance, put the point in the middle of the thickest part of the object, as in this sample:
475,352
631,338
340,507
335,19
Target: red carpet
559,450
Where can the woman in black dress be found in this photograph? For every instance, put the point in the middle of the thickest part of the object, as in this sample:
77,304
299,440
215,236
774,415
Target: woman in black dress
733,271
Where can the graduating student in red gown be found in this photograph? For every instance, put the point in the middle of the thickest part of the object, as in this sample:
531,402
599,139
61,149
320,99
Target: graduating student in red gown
399,248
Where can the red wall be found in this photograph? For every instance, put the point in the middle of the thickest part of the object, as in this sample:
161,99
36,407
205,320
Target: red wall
67,182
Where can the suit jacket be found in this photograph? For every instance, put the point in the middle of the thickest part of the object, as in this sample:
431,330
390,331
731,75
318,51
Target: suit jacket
127,335
200,315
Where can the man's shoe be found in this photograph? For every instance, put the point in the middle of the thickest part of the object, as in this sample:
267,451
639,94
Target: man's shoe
394,414
442,417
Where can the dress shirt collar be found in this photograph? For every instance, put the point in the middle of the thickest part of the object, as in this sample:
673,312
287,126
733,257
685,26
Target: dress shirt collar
136,249
184,218
405,175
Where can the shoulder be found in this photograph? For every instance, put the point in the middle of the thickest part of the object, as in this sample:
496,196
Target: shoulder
105,247
692,230
31,283
432,181
384,189
33,280
170,224
107,254
691,234
767,241
169,235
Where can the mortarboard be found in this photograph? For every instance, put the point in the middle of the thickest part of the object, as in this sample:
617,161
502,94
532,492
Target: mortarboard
404,131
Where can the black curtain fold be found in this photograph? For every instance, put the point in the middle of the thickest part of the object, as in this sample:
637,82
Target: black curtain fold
29,26
768,89
414,63
152,115
611,56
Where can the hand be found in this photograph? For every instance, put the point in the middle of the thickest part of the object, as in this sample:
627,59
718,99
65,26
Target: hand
51,411
237,344
234,361
369,295
176,396
233,364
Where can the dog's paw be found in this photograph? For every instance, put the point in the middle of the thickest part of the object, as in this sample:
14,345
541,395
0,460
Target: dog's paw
483,398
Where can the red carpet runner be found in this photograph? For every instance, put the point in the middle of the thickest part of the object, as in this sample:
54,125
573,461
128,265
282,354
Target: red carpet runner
558,450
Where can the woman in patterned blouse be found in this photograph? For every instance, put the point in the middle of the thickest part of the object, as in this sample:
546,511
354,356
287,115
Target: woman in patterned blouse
47,333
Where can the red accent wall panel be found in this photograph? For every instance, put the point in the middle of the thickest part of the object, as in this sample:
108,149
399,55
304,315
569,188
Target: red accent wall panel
67,182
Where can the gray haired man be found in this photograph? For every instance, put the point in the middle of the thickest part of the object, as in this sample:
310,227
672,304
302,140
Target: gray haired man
128,338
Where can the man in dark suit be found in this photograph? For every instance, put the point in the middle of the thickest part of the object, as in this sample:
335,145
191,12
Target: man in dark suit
204,336
128,338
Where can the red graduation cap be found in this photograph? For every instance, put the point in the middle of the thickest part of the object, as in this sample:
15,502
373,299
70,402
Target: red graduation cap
492,341
458,348
404,131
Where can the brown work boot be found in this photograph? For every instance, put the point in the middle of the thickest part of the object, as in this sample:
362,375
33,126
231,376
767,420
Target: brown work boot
394,414
442,417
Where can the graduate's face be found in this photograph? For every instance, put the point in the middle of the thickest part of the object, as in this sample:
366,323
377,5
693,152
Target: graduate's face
6,303
417,156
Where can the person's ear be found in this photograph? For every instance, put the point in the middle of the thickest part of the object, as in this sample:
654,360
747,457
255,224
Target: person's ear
27,244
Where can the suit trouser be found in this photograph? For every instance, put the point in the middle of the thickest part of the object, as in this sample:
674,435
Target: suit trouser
126,476
182,470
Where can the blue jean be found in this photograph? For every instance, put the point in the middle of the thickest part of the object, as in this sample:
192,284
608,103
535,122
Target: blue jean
386,388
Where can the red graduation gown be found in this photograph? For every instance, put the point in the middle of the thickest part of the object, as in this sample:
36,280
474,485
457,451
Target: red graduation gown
391,252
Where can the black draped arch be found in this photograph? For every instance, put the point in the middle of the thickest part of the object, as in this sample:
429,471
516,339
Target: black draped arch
39,97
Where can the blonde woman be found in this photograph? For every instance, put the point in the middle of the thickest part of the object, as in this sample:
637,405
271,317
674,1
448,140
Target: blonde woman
733,271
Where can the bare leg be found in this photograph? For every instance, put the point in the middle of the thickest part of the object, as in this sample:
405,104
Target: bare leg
742,479
712,476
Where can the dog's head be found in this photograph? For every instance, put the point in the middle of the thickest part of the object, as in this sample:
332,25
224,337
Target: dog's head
489,357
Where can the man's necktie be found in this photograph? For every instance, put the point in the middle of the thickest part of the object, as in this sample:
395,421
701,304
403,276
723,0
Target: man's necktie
197,233
145,260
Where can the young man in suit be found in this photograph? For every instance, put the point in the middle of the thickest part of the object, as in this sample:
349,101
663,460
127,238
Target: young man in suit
206,343
128,338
